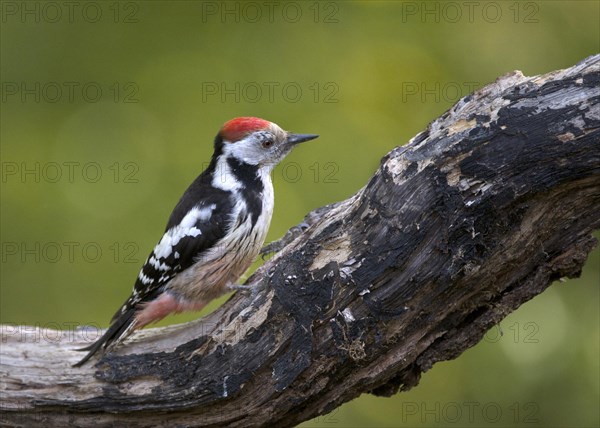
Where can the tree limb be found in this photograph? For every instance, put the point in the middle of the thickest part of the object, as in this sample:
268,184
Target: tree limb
478,214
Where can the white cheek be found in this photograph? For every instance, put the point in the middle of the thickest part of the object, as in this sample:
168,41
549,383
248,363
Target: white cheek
247,151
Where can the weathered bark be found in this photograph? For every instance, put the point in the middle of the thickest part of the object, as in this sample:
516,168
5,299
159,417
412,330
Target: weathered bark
475,216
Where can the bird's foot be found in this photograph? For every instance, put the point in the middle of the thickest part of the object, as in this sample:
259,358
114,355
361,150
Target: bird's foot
252,290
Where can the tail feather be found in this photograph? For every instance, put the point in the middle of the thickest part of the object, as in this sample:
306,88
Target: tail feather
117,331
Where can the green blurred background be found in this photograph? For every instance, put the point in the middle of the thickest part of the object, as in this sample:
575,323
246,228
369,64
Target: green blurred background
109,110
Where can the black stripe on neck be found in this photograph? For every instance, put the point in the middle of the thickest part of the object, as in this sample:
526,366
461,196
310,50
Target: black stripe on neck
252,185
217,152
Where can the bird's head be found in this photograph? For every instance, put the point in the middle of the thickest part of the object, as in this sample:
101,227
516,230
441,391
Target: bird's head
257,141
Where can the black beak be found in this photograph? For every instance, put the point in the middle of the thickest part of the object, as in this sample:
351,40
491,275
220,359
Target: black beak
294,139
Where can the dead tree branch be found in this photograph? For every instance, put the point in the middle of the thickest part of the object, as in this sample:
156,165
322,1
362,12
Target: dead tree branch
478,214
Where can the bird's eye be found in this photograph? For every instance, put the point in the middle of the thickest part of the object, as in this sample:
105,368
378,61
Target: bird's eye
266,144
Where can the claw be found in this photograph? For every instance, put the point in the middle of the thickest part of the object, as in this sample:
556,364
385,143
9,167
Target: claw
253,289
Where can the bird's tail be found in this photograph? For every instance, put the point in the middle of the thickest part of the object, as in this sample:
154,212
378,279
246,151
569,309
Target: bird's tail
117,331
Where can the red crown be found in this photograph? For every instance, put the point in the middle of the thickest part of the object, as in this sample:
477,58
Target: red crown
236,129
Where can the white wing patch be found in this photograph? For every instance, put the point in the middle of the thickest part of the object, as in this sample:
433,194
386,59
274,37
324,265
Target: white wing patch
145,279
186,228
157,264
205,213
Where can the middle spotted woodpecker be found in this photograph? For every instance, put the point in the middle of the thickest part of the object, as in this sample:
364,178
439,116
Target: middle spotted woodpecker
214,233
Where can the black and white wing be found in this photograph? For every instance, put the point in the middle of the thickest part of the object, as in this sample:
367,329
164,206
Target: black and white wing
198,222
195,225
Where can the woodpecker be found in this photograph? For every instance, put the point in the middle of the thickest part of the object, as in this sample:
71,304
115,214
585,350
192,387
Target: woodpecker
214,233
